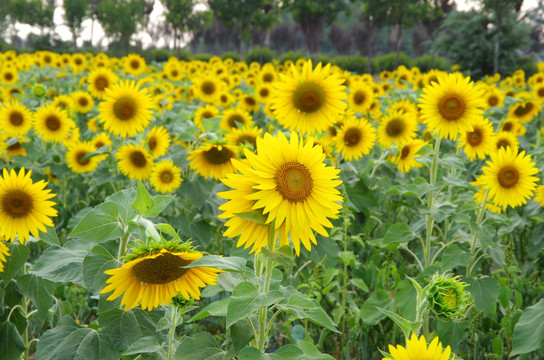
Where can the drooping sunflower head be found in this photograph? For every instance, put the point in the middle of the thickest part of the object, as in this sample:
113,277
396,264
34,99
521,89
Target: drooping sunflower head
447,296
450,105
24,206
213,160
309,101
417,349
509,177
126,109
153,275
397,128
165,176
15,118
134,161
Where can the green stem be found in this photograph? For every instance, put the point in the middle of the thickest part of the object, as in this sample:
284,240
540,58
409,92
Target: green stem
123,245
172,332
429,219
379,161
268,267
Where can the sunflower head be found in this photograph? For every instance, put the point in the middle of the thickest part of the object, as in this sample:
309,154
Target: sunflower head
447,296
418,349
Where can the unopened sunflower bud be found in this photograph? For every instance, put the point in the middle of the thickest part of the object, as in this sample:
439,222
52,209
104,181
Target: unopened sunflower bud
447,296
38,90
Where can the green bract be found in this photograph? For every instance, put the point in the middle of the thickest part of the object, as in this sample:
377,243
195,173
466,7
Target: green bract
447,296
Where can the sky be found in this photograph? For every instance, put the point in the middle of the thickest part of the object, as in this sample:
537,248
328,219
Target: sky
99,37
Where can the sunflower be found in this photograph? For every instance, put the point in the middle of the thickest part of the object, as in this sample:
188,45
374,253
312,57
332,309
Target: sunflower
4,253
52,123
24,206
126,109
15,118
524,110
508,177
206,112
75,154
505,139
235,118
155,276
355,138
207,89
493,97
158,140
263,92
310,101
83,102
539,195
538,92
293,187
165,176
417,349
16,148
213,160
134,161
360,98
64,102
8,75
396,128
405,106
450,105
513,126
406,158
251,233
134,64
478,141
99,80
249,103
245,135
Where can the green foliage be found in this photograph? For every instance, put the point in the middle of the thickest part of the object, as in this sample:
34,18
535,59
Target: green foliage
291,55
428,62
354,63
120,19
387,62
259,54
75,12
230,55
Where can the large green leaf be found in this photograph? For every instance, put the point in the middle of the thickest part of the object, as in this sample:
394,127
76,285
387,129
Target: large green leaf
15,261
529,330
246,299
145,345
60,264
124,199
128,327
11,343
39,291
201,346
286,352
242,333
70,341
305,309
94,265
396,234
143,201
229,263
311,352
100,224
369,312
216,308
484,291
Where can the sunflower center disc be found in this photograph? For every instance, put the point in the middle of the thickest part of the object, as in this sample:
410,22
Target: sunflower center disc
52,122
166,177
268,77
218,155
492,101
247,139
508,176
359,97
263,92
523,109
160,270
208,87
8,76
174,73
16,118
124,108
138,159
541,92
250,101
101,83
451,107
503,144
308,97
207,115
395,128
98,144
235,119
475,137
152,143
405,152
17,204
294,181
14,147
83,101
80,156
508,126
135,64
352,137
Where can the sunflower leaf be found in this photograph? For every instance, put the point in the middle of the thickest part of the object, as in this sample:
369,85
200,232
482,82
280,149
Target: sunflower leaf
201,346
60,264
15,261
11,343
529,330
228,263
39,291
99,151
255,216
100,224
246,299
305,309
143,201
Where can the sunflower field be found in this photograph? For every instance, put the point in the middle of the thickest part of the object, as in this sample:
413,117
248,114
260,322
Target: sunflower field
221,210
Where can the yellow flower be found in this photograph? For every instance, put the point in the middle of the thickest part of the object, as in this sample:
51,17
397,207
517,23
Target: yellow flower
360,98
4,253
355,138
478,141
8,75
15,118
213,160
52,123
155,277
406,158
82,102
24,206
99,80
75,154
417,349
158,140
539,195
505,139
508,177
235,118
309,101
134,161
396,128
134,64
524,110
165,176
451,105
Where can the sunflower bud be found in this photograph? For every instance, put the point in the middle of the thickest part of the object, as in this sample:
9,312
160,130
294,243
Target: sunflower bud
38,90
447,296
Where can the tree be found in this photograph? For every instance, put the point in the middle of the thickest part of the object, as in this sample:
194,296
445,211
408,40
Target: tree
312,15
33,12
183,18
120,20
74,13
433,16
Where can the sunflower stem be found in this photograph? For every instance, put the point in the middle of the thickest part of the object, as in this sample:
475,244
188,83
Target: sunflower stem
429,219
268,267
172,332
383,155
123,245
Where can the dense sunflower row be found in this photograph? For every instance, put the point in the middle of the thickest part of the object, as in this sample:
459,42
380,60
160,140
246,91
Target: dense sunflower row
273,134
